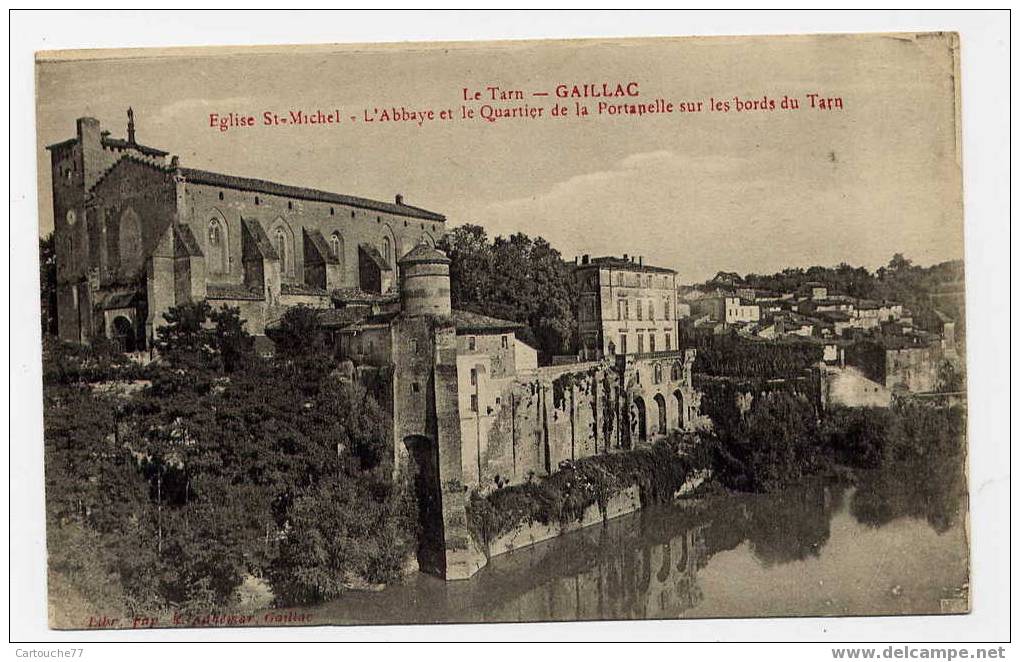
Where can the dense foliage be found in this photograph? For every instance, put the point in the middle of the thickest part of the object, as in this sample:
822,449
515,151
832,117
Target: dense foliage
762,442
519,278
252,468
729,355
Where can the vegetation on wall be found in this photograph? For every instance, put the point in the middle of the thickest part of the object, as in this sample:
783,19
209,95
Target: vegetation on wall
658,471
729,355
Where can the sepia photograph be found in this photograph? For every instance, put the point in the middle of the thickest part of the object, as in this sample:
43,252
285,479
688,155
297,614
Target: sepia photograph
560,330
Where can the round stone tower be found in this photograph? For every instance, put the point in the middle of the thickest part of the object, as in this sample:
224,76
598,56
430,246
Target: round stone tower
425,282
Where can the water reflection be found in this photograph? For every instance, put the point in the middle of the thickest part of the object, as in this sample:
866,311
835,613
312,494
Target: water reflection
816,549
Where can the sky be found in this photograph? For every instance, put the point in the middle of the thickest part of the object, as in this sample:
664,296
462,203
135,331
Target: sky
698,192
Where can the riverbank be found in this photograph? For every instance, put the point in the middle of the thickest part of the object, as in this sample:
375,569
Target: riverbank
777,441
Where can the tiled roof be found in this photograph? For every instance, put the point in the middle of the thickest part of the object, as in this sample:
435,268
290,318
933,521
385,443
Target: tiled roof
116,143
620,263
262,242
321,246
371,321
111,300
285,190
355,295
185,242
423,253
373,254
302,288
337,318
229,291
124,144
467,322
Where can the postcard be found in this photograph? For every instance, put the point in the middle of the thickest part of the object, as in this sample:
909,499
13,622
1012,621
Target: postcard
581,330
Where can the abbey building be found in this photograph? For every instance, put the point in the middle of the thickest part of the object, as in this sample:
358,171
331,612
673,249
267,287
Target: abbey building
137,233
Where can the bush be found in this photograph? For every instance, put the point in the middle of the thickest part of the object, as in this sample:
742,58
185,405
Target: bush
342,533
774,444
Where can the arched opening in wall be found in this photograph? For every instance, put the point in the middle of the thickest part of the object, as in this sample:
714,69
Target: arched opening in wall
387,250
679,409
675,372
423,468
640,422
660,406
123,334
216,246
280,243
130,240
336,244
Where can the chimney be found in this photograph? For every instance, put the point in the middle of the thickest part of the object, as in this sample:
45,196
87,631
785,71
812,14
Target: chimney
641,260
399,199
131,126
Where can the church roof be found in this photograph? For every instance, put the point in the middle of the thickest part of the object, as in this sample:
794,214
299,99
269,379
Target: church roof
235,292
424,253
468,322
112,300
302,288
321,245
185,242
262,242
356,295
274,188
336,318
373,254
116,143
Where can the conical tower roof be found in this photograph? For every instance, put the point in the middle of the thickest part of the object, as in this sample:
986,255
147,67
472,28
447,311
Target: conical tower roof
424,254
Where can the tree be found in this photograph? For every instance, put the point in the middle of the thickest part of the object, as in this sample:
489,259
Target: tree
233,342
48,284
519,278
299,335
186,340
201,338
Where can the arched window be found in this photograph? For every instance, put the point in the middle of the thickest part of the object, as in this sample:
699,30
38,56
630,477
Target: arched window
387,250
658,374
216,246
336,244
280,240
130,240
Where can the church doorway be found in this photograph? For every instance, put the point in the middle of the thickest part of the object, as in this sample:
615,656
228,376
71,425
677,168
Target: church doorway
423,463
124,334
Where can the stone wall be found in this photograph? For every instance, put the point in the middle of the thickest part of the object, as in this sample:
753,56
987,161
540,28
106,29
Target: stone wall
527,424
203,204
850,387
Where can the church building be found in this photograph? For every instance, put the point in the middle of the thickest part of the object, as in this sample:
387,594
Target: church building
137,233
